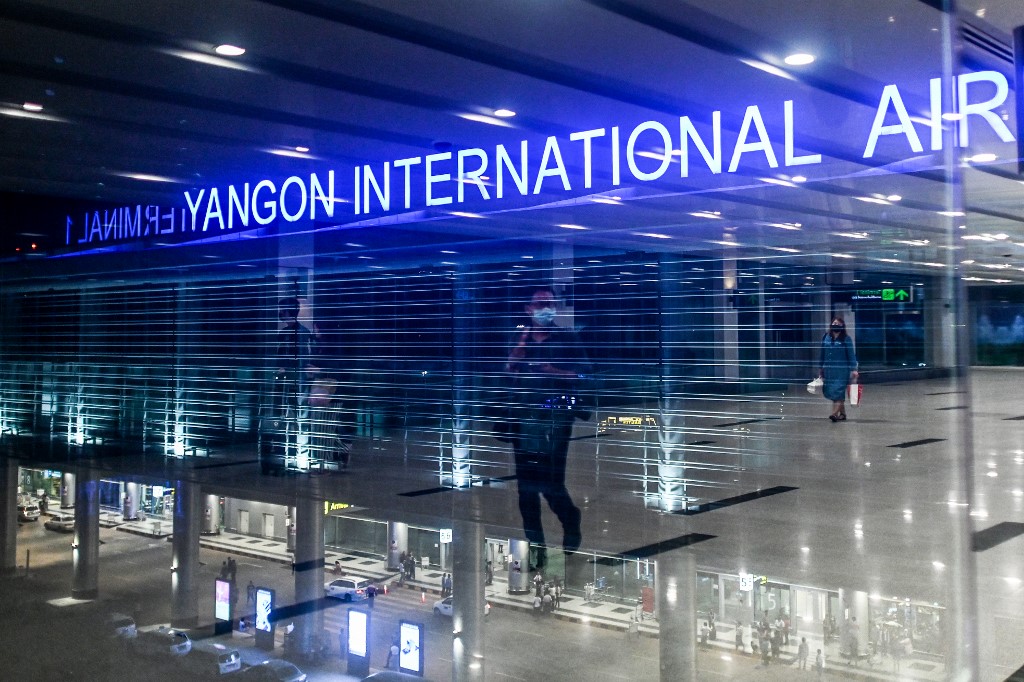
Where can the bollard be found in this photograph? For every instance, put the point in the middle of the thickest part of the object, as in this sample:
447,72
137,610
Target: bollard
28,560
423,596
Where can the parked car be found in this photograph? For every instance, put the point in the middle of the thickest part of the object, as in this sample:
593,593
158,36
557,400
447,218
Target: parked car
348,589
443,607
28,512
274,670
121,626
60,522
163,641
212,659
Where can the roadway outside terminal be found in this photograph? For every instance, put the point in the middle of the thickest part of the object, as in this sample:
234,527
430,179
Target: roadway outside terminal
39,610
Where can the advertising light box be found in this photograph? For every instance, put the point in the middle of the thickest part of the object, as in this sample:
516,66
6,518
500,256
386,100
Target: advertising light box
264,605
357,633
410,655
222,600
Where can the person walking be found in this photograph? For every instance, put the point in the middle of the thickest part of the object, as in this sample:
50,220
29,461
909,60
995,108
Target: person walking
819,664
838,367
250,594
739,636
802,653
371,593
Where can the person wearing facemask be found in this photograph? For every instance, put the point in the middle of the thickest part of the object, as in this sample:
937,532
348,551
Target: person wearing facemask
838,367
546,365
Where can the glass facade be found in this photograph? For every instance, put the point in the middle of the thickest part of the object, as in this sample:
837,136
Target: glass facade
517,306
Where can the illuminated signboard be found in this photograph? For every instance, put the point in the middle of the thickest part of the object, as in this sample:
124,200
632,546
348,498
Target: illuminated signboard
358,633
446,535
222,599
526,167
335,506
892,295
410,650
264,605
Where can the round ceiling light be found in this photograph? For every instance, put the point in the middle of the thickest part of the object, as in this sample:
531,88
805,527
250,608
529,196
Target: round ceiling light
230,50
799,59
504,113
32,106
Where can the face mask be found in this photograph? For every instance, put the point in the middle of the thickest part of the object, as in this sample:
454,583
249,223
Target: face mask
544,316
836,328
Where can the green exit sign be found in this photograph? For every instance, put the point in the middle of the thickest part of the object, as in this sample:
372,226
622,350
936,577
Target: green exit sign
891,295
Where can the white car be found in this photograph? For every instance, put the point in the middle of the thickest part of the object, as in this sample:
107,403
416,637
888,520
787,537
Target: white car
28,512
443,607
61,522
348,589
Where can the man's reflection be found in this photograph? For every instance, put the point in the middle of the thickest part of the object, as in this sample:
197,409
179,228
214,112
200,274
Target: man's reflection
547,365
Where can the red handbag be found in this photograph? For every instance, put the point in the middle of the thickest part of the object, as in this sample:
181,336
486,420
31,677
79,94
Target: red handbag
854,393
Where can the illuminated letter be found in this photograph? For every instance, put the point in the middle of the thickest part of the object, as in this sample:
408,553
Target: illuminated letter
316,193
475,175
503,161
587,136
935,91
358,192
891,93
616,175
687,133
792,160
551,149
666,142
292,217
384,197
272,205
983,109
133,229
407,164
193,207
431,179
236,204
211,211
753,115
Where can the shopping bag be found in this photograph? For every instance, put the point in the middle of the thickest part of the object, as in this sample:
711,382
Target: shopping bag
854,394
813,386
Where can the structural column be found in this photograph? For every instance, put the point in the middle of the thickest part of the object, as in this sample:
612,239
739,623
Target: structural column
132,492
9,516
518,566
676,578
211,514
468,601
185,555
85,550
309,572
398,542
67,491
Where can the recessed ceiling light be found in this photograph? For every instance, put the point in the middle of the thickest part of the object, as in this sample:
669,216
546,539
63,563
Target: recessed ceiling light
893,197
230,50
567,226
798,178
504,113
465,214
799,59
32,106
302,150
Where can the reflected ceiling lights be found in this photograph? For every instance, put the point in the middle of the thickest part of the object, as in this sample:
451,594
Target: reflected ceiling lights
489,120
230,50
982,158
799,59
32,106
504,113
572,227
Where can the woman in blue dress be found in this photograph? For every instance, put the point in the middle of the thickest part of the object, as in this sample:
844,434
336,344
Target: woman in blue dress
838,367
